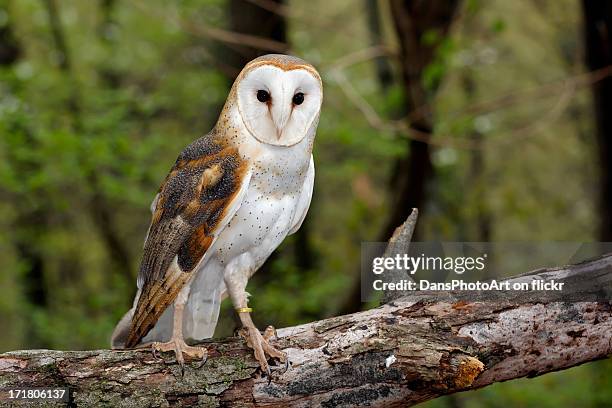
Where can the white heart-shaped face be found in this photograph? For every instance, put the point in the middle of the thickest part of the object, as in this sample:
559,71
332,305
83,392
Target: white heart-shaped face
278,107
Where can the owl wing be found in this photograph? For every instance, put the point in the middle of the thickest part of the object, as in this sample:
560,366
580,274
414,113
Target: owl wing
201,193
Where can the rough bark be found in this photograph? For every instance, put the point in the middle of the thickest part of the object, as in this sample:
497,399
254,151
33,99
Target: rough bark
399,354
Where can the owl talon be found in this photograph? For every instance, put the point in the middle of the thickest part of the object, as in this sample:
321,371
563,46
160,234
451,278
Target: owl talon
281,368
261,347
269,333
276,369
204,359
181,349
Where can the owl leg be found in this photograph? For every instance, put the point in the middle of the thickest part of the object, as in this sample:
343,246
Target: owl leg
177,342
236,277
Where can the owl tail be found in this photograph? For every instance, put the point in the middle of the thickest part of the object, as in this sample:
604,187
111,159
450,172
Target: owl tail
200,316
119,336
202,308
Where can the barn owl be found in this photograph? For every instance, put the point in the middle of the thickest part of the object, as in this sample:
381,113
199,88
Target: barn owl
229,200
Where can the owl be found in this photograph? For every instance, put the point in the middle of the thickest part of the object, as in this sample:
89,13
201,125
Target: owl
229,200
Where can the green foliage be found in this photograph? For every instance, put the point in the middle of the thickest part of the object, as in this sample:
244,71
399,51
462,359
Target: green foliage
498,25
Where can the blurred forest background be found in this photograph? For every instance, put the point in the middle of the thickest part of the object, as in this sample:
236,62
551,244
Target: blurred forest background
493,117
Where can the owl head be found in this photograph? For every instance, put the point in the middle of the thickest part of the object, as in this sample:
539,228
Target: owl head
278,98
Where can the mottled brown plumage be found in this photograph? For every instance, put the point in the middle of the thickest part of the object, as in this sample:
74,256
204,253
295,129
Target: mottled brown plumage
192,200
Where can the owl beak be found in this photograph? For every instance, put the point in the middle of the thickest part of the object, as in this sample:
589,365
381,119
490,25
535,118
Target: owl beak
281,117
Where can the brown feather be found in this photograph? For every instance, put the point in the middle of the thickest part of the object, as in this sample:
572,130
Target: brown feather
156,298
193,199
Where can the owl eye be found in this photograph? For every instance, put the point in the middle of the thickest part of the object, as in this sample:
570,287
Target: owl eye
263,96
298,98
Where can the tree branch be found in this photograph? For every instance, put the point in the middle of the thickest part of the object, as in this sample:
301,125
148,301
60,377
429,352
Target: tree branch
400,244
411,350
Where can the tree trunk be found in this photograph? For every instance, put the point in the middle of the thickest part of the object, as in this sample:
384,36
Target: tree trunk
10,49
384,72
250,17
413,172
411,350
598,45
413,21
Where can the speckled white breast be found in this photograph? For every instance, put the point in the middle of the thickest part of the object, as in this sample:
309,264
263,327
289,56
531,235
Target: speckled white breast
268,210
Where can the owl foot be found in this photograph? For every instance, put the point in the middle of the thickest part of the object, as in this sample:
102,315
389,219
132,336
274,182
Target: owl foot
261,346
180,349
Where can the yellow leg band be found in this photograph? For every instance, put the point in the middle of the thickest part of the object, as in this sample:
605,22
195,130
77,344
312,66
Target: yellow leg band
244,310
